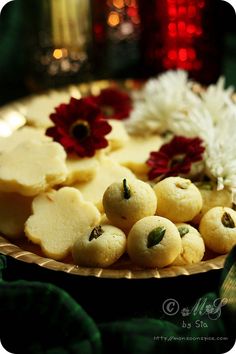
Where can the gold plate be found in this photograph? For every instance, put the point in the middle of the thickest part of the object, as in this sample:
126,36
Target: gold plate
12,117
122,269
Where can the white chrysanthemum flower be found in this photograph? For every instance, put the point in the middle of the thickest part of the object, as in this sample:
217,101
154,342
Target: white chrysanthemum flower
168,103
163,96
220,156
196,122
219,140
216,99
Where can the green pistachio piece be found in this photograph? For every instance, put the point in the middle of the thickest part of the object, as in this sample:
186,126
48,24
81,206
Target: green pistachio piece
155,236
183,230
127,192
227,220
96,232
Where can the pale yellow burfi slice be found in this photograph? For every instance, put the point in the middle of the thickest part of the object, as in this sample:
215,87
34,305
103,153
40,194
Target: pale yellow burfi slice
108,172
136,152
39,108
211,198
118,137
81,169
14,211
21,135
32,167
59,219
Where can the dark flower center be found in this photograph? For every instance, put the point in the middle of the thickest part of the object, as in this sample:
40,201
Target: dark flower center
80,129
176,160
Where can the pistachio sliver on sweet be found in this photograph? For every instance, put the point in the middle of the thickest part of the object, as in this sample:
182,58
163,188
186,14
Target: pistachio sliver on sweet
183,184
96,232
227,220
155,236
183,230
126,188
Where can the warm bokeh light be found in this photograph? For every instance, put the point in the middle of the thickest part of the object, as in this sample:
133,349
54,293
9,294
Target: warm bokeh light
123,16
5,130
59,53
113,19
119,4
14,119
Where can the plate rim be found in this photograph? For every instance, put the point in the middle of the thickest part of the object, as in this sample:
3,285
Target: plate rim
10,249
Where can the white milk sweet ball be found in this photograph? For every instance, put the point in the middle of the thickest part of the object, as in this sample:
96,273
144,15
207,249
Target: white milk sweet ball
218,229
101,247
153,242
129,201
193,247
178,199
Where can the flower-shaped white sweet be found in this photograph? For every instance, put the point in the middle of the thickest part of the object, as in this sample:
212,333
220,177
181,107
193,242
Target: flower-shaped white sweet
80,169
136,152
100,247
22,135
128,201
39,108
32,167
193,246
14,211
109,171
178,199
59,219
218,229
118,137
153,242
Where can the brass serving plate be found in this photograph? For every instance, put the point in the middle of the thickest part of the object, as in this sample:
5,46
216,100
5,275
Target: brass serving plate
123,268
13,116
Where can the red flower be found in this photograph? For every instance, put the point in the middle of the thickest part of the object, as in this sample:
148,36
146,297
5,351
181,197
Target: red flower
175,158
113,103
80,127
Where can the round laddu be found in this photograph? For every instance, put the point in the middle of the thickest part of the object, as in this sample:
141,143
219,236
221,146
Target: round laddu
100,247
128,201
153,242
193,247
218,229
178,199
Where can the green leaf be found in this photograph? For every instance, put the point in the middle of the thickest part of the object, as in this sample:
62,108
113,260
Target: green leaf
155,236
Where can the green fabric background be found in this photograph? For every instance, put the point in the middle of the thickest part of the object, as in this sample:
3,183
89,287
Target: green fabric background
64,326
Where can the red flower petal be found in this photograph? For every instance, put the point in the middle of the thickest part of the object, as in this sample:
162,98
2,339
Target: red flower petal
114,103
175,158
67,116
